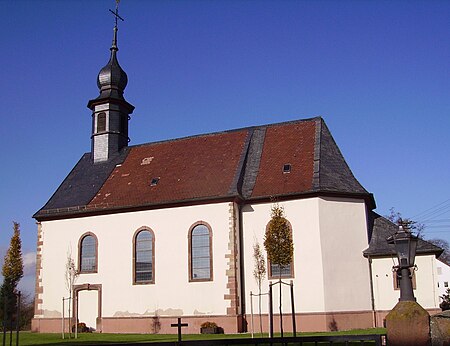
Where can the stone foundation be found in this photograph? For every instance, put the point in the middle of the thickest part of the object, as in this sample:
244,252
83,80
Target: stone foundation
306,322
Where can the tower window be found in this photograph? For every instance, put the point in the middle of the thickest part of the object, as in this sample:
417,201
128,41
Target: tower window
101,122
123,123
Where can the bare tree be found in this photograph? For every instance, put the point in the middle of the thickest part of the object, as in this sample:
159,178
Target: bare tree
409,224
445,257
259,273
419,228
71,275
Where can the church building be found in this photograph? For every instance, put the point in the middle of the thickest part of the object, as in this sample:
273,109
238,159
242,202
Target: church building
166,229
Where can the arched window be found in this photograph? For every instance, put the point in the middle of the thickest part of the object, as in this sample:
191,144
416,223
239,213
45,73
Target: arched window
200,252
144,257
101,122
287,271
88,253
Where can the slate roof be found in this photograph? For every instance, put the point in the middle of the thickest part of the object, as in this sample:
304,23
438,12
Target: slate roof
245,164
380,229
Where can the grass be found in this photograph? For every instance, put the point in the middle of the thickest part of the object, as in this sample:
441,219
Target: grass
27,338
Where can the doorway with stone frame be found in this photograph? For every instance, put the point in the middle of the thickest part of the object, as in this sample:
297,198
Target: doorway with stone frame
87,305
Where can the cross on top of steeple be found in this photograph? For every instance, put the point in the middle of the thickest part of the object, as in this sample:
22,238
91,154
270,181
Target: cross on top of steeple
116,16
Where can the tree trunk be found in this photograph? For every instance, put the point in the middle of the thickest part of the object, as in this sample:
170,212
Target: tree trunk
281,311
259,307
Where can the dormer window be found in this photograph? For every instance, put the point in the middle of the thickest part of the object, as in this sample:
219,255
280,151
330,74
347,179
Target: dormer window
287,168
154,181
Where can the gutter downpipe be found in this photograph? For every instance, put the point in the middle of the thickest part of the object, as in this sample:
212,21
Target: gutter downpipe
372,296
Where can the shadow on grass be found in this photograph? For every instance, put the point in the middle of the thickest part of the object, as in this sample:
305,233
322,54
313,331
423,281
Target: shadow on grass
36,339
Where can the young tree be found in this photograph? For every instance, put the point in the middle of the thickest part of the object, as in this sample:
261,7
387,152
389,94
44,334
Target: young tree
12,272
278,239
279,245
70,276
71,273
259,273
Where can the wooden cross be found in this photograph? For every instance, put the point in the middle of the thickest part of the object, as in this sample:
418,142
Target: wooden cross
179,325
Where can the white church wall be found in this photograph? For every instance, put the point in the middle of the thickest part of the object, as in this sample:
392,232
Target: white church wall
425,278
343,234
120,297
330,273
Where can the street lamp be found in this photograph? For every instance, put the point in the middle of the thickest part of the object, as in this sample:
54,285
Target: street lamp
405,245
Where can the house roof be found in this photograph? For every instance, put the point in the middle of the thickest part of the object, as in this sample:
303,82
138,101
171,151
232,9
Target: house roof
380,229
247,164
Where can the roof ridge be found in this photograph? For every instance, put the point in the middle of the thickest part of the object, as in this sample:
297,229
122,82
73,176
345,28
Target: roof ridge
247,128
380,227
238,180
334,169
317,152
253,161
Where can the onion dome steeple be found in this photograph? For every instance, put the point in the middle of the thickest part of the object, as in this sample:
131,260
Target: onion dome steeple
111,112
112,79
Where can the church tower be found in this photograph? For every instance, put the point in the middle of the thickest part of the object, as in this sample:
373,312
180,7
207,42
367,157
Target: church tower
110,111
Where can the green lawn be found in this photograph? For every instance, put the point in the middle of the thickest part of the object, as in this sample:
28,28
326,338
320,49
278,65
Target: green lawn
27,338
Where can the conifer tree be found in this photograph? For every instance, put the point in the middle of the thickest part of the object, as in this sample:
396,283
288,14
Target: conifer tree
12,272
279,245
278,239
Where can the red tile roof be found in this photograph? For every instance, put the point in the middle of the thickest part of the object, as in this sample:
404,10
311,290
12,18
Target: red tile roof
286,144
190,168
245,164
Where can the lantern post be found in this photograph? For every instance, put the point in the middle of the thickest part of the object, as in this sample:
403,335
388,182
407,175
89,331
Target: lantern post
407,323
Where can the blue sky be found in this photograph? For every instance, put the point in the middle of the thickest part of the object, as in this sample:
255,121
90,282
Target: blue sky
377,71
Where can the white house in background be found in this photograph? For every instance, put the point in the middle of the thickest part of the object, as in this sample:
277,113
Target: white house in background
382,258
443,277
165,230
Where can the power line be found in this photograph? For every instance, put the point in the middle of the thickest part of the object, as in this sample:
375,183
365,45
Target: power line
436,214
433,207
438,221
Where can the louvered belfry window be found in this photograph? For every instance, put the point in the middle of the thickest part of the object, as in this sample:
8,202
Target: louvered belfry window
101,122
